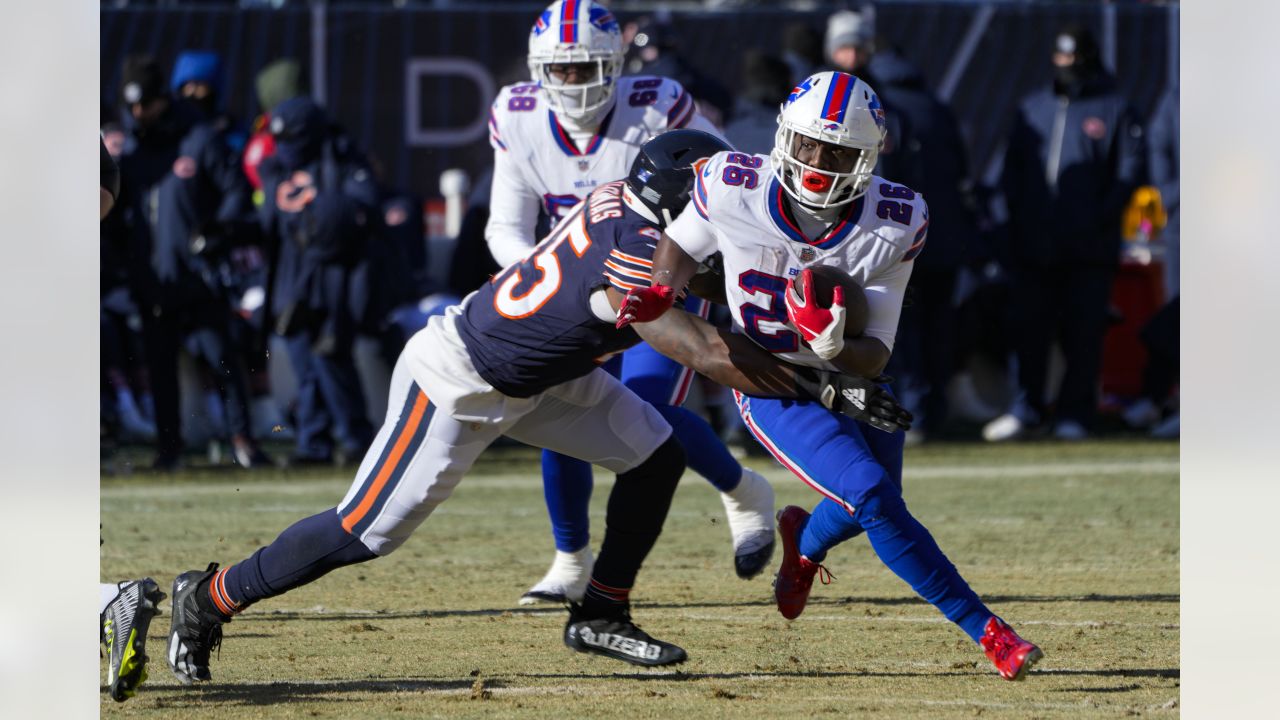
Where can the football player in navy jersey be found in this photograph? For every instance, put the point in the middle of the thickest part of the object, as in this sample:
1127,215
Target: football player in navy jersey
520,358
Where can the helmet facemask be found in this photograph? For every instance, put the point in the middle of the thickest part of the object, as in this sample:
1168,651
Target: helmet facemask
582,100
815,187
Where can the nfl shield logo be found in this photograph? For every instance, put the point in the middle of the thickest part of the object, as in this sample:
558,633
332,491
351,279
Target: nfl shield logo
807,254
583,165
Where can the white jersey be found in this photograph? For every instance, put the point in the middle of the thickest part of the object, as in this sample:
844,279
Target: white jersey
537,164
739,209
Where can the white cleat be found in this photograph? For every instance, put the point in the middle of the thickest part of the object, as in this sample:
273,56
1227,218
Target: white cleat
566,581
749,508
1006,427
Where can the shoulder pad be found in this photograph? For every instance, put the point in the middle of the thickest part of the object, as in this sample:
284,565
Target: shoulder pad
513,102
675,103
903,214
665,104
709,175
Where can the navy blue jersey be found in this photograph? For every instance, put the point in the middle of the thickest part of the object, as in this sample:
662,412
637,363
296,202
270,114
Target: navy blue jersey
532,327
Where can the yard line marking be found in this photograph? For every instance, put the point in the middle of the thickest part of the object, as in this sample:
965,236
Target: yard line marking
283,614
526,480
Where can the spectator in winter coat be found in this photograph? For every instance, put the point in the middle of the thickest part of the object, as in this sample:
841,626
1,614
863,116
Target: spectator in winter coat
320,212
181,187
1074,158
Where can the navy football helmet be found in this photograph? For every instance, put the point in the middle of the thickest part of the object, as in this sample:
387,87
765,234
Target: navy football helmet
661,176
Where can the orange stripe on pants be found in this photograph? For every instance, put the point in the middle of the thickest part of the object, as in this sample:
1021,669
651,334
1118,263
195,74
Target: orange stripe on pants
415,417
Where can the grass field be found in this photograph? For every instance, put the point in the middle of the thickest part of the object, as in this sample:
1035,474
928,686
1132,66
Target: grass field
1076,545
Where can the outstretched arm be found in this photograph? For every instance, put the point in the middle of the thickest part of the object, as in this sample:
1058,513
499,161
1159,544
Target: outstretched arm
737,362
731,360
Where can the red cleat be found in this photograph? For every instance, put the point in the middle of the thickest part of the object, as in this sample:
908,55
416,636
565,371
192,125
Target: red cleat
795,577
1012,655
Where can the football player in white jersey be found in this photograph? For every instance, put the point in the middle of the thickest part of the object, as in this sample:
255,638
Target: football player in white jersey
576,126
815,202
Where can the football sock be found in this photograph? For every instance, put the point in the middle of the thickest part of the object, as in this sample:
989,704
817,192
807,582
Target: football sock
566,487
907,548
828,526
704,450
106,593
305,551
637,509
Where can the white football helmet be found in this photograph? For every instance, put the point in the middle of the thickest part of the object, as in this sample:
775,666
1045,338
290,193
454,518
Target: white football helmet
576,31
837,108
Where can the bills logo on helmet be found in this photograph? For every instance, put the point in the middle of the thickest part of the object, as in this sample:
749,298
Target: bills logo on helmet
877,110
603,19
804,87
543,22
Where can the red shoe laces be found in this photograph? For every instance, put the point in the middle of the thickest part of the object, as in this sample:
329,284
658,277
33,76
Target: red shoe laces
824,575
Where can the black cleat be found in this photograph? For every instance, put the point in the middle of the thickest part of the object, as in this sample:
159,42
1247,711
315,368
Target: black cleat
619,638
193,632
124,630
751,564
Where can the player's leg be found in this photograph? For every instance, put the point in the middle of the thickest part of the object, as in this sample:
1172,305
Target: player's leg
566,487
746,495
414,463
598,420
831,523
830,453
124,615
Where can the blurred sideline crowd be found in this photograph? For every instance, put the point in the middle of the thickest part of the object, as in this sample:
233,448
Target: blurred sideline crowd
259,277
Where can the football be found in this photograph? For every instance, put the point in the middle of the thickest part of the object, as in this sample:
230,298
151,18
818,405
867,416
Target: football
825,279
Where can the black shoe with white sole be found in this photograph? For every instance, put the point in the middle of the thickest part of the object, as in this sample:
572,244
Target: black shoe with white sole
617,637
193,632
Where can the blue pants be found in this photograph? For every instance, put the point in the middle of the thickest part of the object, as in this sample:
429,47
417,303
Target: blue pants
664,383
858,470
330,400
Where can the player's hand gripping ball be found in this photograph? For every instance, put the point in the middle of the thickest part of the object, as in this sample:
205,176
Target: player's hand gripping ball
826,306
